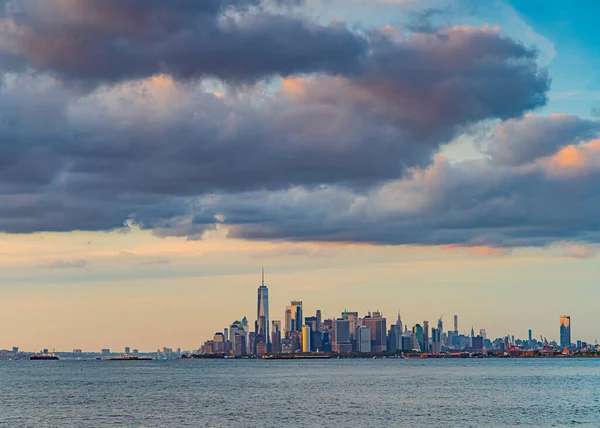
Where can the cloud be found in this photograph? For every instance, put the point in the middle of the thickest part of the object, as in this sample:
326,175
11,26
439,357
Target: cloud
113,40
519,141
64,264
474,203
581,251
142,152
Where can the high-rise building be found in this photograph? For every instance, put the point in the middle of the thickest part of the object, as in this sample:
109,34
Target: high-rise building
477,343
306,332
425,336
377,324
341,336
530,336
363,339
418,332
276,337
319,319
262,311
288,321
565,331
436,345
353,318
295,309
456,323
312,322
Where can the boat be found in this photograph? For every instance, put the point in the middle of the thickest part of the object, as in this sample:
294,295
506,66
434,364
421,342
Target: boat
129,358
43,357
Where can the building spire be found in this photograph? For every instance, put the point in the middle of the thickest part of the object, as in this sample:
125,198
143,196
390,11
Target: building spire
263,277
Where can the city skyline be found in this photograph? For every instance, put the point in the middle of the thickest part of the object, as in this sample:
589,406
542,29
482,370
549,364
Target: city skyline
432,156
353,333
352,318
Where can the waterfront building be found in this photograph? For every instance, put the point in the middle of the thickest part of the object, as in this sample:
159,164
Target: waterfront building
306,335
455,324
262,311
319,319
565,331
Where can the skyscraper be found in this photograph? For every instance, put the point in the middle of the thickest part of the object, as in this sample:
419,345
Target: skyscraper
363,339
377,324
295,309
456,323
353,318
306,338
288,321
565,331
426,336
262,312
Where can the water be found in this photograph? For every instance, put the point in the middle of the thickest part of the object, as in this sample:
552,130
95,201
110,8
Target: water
332,393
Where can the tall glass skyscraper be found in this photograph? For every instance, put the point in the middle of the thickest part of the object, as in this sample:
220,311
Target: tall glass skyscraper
565,331
262,312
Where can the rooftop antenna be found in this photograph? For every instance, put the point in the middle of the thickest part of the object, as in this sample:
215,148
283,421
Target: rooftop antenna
263,277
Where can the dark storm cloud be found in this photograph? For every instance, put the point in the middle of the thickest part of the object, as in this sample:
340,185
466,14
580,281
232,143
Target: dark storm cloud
473,203
307,162
111,40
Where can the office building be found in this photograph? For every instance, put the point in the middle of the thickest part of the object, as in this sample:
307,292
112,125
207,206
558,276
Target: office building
565,331
312,322
352,317
436,342
456,324
288,321
276,337
262,312
363,339
425,336
239,345
306,336
341,336
418,332
477,343
377,324
295,317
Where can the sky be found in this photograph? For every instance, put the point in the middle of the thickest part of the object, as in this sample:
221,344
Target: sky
433,157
